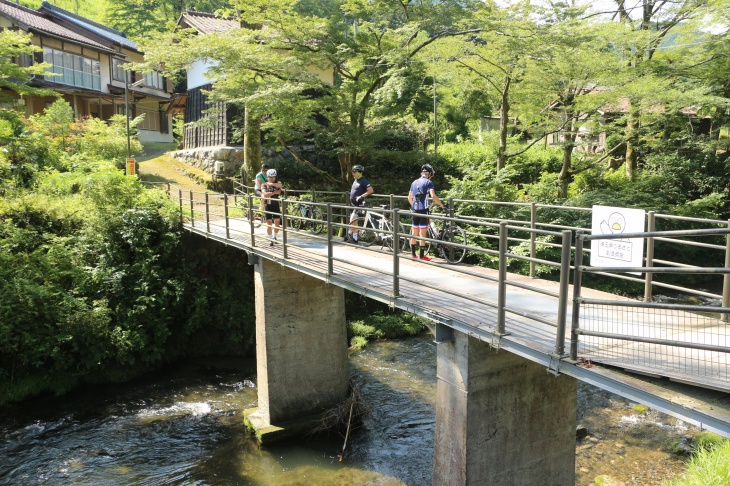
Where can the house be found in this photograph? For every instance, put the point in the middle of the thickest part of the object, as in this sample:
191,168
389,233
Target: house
196,102
592,137
198,81
87,61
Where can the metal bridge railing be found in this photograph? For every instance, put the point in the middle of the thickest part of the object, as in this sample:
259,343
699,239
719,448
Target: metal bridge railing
532,215
662,338
213,214
645,335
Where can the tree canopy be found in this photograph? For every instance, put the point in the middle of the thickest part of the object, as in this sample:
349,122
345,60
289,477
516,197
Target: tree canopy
350,77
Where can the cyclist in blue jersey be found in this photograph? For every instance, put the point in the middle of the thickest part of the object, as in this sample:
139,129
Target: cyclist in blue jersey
361,189
418,196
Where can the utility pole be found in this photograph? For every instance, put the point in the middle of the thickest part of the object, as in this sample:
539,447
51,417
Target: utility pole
435,122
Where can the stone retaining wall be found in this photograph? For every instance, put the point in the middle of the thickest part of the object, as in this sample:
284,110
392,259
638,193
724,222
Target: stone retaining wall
204,158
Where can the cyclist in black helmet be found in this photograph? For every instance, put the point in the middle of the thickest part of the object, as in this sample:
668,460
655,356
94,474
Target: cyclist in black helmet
361,189
259,182
421,190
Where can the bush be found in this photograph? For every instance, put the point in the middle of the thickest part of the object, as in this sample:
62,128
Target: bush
379,325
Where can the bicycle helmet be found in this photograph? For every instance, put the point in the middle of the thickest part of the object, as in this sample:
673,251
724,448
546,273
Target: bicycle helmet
271,173
264,167
358,168
428,168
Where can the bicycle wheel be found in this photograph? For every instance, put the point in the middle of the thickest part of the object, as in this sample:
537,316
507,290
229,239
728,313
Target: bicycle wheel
250,214
452,253
366,234
388,236
294,213
317,224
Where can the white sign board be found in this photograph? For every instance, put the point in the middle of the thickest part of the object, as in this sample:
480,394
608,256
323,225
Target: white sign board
618,252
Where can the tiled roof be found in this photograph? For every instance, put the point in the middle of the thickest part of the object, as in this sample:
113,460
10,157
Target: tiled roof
113,35
206,23
31,20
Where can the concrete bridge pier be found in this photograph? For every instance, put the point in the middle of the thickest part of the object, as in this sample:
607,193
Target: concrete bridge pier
301,351
501,419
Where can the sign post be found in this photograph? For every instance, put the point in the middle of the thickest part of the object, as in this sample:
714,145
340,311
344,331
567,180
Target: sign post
131,167
617,252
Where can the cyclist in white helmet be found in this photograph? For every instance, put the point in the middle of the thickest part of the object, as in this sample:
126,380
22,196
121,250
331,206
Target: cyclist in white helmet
271,190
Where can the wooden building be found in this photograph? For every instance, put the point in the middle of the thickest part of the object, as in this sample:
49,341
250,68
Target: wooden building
87,68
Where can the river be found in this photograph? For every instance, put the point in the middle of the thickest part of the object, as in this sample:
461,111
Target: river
183,426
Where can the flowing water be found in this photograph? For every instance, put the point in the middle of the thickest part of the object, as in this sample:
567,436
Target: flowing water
184,426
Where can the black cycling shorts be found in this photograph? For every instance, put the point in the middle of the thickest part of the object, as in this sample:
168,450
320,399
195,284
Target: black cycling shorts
273,210
421,221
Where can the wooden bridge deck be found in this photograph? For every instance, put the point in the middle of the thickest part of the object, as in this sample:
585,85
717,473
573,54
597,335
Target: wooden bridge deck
467,302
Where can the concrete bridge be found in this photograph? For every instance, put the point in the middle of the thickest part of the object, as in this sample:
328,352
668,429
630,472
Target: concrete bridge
510,348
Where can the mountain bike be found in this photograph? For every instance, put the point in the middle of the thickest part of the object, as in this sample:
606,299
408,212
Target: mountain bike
305,216
447,234
375,227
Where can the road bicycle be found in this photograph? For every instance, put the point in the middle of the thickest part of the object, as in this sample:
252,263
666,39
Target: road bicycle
449,235
305,215
374,227
255,213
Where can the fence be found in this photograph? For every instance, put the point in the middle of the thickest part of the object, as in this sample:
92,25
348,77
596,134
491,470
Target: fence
662,338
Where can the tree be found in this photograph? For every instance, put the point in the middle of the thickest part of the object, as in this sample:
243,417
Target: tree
654,24
339,82
13,76
495,60
142,18
569,80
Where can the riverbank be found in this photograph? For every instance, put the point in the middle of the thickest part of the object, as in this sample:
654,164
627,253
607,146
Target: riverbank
184,424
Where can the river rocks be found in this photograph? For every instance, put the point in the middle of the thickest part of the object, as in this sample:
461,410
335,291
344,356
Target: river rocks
605,480
682,446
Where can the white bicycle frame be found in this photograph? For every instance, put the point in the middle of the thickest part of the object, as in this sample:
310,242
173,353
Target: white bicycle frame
370,217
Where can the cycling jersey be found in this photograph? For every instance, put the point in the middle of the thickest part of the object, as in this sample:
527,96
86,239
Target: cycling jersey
421,188
359,187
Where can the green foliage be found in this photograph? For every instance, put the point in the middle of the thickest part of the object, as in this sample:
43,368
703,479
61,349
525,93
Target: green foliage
708,440
379,325
12,125
93,286
108,140
641,409
145,17
274,70
14,77
708,465
91,9
178,128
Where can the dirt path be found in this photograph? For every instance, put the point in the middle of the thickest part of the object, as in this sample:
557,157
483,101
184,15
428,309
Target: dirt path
156,166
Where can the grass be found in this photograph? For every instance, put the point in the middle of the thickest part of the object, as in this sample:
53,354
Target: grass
708,466
166,169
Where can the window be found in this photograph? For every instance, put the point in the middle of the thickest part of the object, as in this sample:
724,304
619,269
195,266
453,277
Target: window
154,80
73,69
24,60
118,69
151,120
